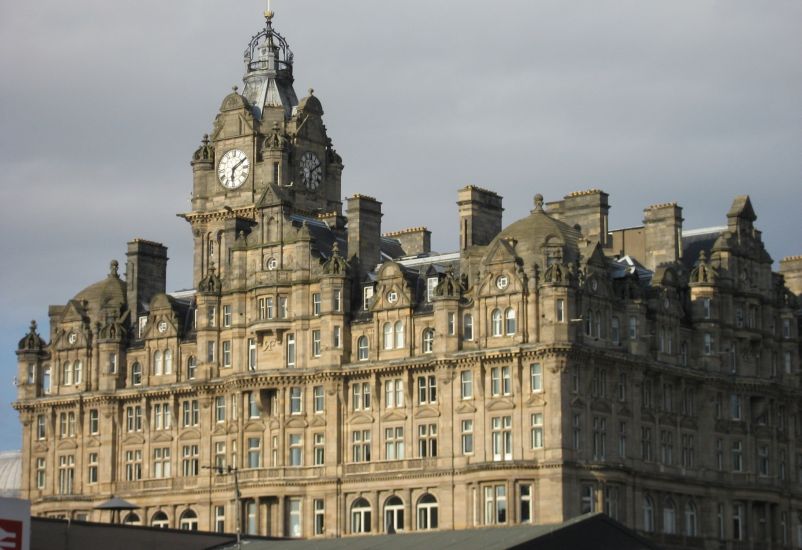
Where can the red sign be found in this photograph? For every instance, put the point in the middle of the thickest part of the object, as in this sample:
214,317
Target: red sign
10,534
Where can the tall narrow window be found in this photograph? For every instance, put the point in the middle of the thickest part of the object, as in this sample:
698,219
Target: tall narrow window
428,340
227,316
251,354
466,432
388,336
316,303
536,377
362,348
290,350
537,430
502,437
466,384
496,322
467,326
316,343
560,311
399,334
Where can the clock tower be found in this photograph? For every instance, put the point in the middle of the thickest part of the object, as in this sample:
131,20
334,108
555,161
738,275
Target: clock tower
268,156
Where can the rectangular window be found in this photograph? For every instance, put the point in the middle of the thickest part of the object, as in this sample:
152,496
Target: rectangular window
427,440
763,460
735,406
283,307
220,408
220,519
501,427
720,455
261,304
94,422
290,350
707,347
112,364
394,393
320,516
560,311
622,440
706,308
336,337
337,300
367,296
41,473
431,284
252,403
251,354
495,501
394,443
92,470
161,462
466,431
319,400
254,452
296,450
316,303
633,328
360,446
577,431
66,474
536,377
737,456
738,521
667,446
133,465
226,353
319,448
220,456
646,443
294,517
525,503
41,431
427,390
269,306
226,316
316,343
296,400
687,450
587,499
787,365
611,501
466,384
537,430
189,460
210,352
622,387
500,381
467,327
211,315
599,437
360,393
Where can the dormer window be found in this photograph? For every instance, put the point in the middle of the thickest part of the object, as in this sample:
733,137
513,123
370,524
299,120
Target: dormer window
143,322
367,295
431,284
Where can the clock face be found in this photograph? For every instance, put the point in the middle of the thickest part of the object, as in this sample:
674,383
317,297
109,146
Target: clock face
72,338
502,282
233,168
163,326
311,171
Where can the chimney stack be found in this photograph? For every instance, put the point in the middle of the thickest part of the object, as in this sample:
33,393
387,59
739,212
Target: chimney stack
145,274
587,209
662,228
414,241
791,269
479,216
364,231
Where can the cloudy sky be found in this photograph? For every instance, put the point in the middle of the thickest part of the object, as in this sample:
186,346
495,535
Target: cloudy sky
102,104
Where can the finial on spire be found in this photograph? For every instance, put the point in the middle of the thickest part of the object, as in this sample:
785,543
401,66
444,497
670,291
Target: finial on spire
311,91
234,88
268,12
113,267
538,202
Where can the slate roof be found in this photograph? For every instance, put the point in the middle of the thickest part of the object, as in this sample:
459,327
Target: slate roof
697,240
591,531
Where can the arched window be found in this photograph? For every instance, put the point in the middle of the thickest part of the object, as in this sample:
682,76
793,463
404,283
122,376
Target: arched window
132,519
360,516
428,340
46,380
669,517
168,362
160,520
136,373
362,348
467,326
509,317
188,521
158,364
77,372
388,335
495,319
192,368
399,334
66,374
648,515
690,519
427,513
393,515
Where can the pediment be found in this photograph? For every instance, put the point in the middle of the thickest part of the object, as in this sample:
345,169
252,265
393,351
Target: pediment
361,419
500,405
219,428
273,424
688,422
577,402
394,415
318,421
232,125
40,447
623,410
189,434
427,412
272,196
601,406
537,399
502,252
381,298
254,427
465,407
646,416
161,437
296,422
66,444
134,439
72,313
152,327
92,442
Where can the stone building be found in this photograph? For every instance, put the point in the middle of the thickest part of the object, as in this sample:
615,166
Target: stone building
349,381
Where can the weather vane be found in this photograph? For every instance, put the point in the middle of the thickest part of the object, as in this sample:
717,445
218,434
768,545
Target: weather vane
269,12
